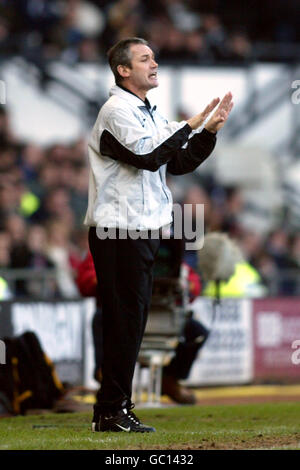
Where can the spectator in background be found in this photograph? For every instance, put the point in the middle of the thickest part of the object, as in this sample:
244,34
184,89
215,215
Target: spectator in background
295,250
278,246
195,195
48,176
16,227
285,253
37,245
250,244
215,36
196,50
37,260
268,271
124,19
55,205
88,51
8,161
19,253
8,198
6,134
78,151
233,207
5,291
156,39
173,49
239,47
79,193
28,251
62,254
5,248
7,44
32,157
84,19
80,30
182,18
245,282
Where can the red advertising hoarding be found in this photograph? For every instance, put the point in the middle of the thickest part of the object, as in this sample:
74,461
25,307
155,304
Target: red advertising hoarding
276,339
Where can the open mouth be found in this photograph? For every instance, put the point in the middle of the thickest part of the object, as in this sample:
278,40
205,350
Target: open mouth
153,75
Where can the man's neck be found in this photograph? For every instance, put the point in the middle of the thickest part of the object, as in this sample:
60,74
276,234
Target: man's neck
141,95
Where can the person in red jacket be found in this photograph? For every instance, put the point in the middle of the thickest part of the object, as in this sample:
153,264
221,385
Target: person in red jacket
86,281
194,334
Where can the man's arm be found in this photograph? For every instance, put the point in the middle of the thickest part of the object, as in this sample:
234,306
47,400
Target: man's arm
124,139
199,147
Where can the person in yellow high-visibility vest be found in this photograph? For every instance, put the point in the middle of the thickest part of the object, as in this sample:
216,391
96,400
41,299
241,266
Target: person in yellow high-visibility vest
5,293
245,282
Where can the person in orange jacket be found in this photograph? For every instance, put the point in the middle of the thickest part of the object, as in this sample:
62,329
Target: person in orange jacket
194,334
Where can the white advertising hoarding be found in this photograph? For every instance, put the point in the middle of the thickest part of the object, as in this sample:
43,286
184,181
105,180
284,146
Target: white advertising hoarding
227,356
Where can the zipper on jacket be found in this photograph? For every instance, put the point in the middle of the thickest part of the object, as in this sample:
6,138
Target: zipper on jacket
163,186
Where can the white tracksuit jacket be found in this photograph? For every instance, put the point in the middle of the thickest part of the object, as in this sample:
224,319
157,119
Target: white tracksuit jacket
130,149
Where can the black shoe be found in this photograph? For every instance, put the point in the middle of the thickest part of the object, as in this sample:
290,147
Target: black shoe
125,420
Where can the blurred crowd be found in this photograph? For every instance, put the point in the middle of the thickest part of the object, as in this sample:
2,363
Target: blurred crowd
43,191
43,199
192,32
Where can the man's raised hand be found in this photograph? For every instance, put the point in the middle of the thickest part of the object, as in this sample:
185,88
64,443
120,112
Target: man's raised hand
199,119
220,116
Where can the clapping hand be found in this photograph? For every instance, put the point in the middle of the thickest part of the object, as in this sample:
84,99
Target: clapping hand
220,116
218,119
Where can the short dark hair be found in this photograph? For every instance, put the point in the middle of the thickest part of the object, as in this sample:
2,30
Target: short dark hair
119,54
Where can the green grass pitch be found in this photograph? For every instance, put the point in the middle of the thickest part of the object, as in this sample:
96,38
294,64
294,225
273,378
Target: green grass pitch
251,426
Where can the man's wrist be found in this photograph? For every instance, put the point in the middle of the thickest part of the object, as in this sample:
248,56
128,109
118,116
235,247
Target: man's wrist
210,129
187,123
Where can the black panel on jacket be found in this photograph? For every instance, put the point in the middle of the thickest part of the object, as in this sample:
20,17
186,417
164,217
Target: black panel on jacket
111,147
199,148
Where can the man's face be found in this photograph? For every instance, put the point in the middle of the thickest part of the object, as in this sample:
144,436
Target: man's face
143,72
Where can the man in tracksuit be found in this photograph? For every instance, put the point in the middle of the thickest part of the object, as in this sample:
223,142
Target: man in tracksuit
130,149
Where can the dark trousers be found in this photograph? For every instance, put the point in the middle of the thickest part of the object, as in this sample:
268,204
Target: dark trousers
97,332
124,269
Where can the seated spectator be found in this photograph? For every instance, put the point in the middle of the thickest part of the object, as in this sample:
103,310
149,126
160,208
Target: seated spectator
55,205
196,50
173,49
239,47
215,36
59,251
5,248
32,157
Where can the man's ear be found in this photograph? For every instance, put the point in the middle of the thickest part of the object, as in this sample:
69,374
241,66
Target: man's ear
124,71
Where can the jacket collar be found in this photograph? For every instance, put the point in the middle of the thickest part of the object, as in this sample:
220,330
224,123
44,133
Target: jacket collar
130,97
